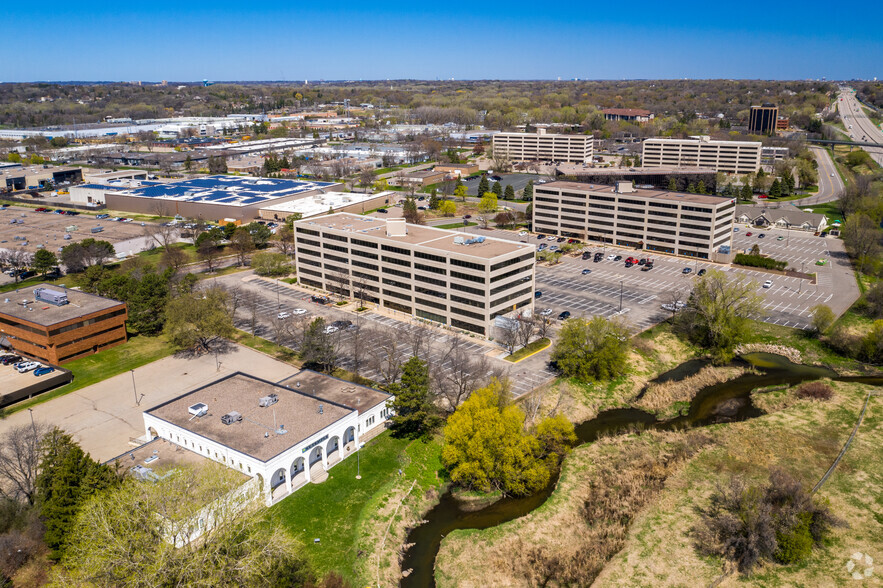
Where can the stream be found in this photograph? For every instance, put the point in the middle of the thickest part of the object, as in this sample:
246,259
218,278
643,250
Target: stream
725,402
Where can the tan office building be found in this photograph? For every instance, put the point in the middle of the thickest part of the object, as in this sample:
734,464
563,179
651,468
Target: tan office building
540,146
452,278
723,156
691,225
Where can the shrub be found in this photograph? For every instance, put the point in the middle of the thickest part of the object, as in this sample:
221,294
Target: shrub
795,545
815,390
759,261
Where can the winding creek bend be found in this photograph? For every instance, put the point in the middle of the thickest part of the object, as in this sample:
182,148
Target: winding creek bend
720,403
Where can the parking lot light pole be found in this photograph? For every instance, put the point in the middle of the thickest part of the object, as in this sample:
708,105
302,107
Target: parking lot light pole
134,389
33,425
620,296
802,270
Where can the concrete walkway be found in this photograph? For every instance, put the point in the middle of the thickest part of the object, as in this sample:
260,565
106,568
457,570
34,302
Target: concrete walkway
104,418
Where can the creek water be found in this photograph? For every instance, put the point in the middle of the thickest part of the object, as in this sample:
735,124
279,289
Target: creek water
725,402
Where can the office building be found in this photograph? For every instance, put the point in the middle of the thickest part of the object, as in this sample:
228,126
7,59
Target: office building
740,157
627,114
284,434
762,120
447,277
56,325
541,146
691,225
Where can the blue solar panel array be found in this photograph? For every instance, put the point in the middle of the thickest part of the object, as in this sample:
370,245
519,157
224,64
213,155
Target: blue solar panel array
230,190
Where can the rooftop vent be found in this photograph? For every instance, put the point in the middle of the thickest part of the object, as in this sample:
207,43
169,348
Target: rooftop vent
624,188
231,417
198,409
51,296
396,227
321,410
268,400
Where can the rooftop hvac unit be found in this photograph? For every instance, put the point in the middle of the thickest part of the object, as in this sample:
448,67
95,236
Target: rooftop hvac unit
231,417
198,409
268,400
459,240
51,296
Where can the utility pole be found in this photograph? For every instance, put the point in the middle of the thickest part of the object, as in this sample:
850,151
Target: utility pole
134,389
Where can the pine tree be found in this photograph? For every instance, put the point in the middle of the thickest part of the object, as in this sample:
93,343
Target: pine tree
509,193
746,192
527,194
700,187
672,185
776,189
483,186
497,189
691,188
414,412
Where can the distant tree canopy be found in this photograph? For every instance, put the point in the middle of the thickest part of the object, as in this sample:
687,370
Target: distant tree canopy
78,256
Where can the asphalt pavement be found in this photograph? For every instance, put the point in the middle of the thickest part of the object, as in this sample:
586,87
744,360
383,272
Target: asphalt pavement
858,125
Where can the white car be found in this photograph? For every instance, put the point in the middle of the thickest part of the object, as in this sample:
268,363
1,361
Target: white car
522,234
611,257
545,312
299,311
28,366
768,284
283,315
551,238
330,329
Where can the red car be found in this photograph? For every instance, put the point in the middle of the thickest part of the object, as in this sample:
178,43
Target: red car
41,209
748,234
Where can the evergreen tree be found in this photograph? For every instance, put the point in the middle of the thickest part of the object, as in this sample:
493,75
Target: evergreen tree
788,184
672,185
483,185
700,187
527,193
691,188
67,478
415,415
433,202
497,189
509,193
776,189
44,260
746,192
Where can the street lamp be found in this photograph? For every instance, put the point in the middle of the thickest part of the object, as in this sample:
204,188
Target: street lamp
278,301
134,389
802,270
620,296
33,425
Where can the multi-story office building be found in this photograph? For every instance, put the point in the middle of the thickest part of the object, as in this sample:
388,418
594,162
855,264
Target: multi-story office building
55,325
740,157
692,225
447,277
541,146
762,119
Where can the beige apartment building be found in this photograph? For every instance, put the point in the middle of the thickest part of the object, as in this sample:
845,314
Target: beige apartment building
691,225
541,146
740,157
456,279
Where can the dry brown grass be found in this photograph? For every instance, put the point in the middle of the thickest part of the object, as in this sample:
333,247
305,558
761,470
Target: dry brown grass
569,540
659,397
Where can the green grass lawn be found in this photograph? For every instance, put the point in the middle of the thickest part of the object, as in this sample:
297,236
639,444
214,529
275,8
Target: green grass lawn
334,510
136,352
455,225
154,255
67,280
528,350
829,209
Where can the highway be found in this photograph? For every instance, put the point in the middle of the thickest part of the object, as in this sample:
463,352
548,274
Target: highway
830,184
858,125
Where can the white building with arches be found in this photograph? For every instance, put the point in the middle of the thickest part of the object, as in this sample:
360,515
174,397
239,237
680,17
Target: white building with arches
285,434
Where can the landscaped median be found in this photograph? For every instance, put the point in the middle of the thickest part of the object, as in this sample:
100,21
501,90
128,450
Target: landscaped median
528,350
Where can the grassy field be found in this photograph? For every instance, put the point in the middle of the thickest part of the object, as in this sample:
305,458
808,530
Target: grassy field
154,255
657,548
456,225
134,353
829,209
529,349
342,511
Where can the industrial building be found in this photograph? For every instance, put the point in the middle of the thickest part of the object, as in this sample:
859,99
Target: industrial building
763,119
541,146
317,204
37,177
285,434
691,225
702,151
56,325
460,170
443,276
213,197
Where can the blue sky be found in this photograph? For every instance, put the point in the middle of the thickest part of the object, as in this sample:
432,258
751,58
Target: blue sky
87,40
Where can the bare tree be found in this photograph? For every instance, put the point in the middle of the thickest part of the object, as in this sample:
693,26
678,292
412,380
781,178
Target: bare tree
386,358
509,334
163,235
543,326
459,373
285,240
280,329
234,299
419,337
356,345
209,252
527,326
19,457
674,299
340,283
297,330
360,288
250,302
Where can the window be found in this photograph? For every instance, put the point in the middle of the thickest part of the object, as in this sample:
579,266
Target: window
430,268
471,278
77,325
430,316
467,326
431,303
364,254
308,242
396,283
512,261
510,273
397,295
335,237
430,257
398,250
469,264
369,266
396,261
368,244
395,272
429,292
336,248
429,280
469,301
308,232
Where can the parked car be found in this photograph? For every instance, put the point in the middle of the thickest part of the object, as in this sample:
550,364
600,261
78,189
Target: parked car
283,315
761,236
102,216
341,324
617,258
564,315
561,239
629,264
587,271
701,272
687,270
545,312
647,267
10,359
382,210
522,233
539,237
537,294
611,257
587,255
736,230
748,234
553,248
298,311
642,261
318,298
542,247
43,371
25,367
768,284
330,329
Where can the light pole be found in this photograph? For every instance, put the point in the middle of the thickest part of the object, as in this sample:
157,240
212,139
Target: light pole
134,389
802,270
33,424
278,301
358,465
620,296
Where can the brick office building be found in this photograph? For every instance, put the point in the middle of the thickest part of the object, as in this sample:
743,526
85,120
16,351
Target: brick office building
56,325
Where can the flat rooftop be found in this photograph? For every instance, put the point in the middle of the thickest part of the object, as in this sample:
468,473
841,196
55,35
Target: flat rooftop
703,141
297,410
161,455
45,314
360,398
640,192
227,190
427,237
312,205
578,168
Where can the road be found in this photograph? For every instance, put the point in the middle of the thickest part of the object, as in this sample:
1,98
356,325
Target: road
830,184
859,126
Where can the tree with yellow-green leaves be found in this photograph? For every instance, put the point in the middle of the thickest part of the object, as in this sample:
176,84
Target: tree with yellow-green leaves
447,208
488,203
488,449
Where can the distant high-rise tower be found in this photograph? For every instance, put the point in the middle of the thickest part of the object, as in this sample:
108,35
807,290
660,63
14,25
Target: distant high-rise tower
763,119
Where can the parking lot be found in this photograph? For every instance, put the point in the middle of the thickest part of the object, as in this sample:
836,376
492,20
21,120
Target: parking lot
517,181
380,328
48,229
788,301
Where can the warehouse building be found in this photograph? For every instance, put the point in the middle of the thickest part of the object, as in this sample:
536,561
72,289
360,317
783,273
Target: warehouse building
435,274
213,198
691,225
317,204
541,146
56,325
285,434
740,157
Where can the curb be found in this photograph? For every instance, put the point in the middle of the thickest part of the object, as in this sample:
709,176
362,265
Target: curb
529,355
